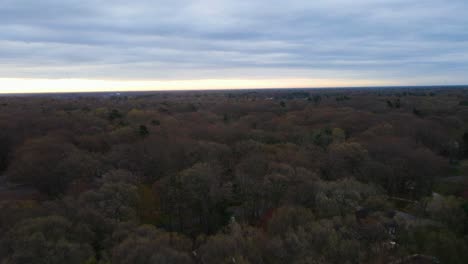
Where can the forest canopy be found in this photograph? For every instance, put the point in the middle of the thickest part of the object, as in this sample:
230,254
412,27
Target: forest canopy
257,176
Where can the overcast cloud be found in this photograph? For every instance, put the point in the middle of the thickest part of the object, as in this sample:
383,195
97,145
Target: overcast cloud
419,42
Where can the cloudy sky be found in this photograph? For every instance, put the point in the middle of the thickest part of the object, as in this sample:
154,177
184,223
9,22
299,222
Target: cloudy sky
58,45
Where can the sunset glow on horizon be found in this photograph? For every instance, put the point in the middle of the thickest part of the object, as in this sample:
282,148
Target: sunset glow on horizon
14,85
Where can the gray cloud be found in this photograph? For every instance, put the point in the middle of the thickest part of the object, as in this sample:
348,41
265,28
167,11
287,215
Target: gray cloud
371,39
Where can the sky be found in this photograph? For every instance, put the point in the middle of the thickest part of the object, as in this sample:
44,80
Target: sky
88,45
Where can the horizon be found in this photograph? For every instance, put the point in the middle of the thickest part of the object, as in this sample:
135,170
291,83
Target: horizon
80,85
135,91
101,86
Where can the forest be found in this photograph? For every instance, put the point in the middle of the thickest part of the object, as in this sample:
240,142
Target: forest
301,176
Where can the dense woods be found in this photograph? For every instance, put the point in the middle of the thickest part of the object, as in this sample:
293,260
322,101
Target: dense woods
261,176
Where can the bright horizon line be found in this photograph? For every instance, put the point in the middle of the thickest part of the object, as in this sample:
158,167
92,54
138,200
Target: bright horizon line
37,85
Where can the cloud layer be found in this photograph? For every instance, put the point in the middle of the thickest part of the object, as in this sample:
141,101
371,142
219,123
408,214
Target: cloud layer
418,42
